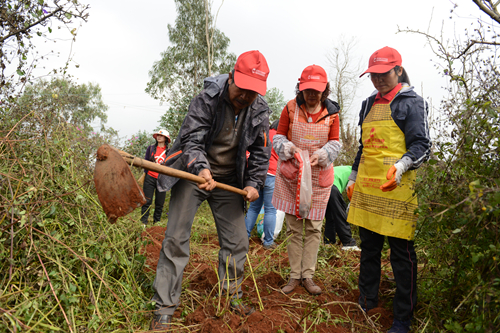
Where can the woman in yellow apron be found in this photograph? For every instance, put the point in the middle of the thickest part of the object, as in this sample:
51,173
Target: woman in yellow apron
394,142
308,122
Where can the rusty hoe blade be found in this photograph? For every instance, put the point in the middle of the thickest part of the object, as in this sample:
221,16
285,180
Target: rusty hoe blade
116,187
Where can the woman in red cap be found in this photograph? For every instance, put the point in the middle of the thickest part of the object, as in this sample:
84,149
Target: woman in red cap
155,153
394,142
308,122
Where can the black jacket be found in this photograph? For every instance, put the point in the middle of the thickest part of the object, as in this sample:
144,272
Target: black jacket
202,124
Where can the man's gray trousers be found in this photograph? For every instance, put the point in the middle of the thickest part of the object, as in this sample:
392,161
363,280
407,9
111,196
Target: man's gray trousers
227,209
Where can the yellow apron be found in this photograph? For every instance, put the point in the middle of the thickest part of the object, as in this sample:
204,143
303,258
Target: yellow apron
386,213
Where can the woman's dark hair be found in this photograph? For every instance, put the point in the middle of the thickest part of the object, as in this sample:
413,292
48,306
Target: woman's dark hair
300,95
166,142
404,77
275,124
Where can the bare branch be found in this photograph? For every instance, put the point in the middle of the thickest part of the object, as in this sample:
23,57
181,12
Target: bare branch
472,43
489,8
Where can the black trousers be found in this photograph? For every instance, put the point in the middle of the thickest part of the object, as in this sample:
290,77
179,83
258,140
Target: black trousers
404,265
336,220
149,189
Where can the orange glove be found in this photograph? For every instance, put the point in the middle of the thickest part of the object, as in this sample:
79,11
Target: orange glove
392,183
395,173
350,189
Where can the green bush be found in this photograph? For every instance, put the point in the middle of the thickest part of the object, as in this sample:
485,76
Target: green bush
63,266
459,194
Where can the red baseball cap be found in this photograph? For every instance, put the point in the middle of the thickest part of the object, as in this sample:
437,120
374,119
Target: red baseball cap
251,71
313,77
383,60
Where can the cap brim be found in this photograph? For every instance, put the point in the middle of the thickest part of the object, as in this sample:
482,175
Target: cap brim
378,69
250,83
156,134
318,86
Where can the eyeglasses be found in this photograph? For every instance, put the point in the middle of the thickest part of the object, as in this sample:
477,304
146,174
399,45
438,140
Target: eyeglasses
380,75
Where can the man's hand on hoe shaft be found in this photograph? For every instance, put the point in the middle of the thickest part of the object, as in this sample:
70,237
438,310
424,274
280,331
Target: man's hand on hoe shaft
210,184
252,194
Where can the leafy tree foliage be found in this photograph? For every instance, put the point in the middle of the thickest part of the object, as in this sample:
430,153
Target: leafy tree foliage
178,76
459,190
276,101
138,143
63,100
22,22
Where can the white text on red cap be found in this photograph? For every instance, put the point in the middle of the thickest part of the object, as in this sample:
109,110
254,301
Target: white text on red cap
258,72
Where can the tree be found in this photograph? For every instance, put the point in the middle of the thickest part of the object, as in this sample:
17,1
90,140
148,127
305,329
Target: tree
459,195
21,23
198,50
59,100
344,72
276,101
138,143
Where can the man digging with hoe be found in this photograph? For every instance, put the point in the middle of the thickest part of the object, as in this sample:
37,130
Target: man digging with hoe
224,121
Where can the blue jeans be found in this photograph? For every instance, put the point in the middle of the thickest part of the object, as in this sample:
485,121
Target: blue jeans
265,197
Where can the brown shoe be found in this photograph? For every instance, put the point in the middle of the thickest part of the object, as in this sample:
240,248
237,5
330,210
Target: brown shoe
311,287
160,323
292,283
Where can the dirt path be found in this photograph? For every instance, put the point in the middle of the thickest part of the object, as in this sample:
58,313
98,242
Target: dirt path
335,310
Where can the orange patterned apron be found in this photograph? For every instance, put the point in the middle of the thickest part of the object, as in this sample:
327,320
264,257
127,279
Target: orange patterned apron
310,137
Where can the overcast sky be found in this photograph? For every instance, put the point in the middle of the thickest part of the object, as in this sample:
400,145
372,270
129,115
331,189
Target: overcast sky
123,38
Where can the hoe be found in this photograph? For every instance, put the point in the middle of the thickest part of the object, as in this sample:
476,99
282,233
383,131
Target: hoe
117,188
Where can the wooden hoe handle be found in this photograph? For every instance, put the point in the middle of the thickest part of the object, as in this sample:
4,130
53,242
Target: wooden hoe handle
142,163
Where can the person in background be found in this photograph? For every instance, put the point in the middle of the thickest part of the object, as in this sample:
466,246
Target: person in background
224,121
265,197
336,214
155,153
394,142
308,122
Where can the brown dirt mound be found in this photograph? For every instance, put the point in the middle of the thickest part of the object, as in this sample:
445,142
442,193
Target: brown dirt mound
336,308
205,280
155,237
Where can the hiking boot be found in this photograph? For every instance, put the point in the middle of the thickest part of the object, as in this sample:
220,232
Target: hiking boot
292,283
311,287
271,246
160,322
240,308
400,326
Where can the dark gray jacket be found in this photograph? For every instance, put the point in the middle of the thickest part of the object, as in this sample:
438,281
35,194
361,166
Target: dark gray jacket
204,121
409,111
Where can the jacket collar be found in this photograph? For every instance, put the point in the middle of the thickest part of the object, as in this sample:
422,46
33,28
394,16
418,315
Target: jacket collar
405,90
332,107
218,85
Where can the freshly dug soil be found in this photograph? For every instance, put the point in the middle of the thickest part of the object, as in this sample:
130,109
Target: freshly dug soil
335,310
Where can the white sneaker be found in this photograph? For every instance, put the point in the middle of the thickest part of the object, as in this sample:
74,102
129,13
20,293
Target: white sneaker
351,248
